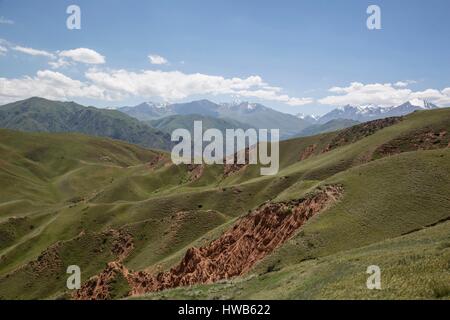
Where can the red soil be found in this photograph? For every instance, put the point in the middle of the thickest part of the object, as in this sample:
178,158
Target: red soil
308,152
195,171
252,238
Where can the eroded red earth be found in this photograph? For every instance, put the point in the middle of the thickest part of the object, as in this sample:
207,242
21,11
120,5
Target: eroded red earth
234,253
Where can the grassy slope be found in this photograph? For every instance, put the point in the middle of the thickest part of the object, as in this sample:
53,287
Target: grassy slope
42,115
66,184
415,266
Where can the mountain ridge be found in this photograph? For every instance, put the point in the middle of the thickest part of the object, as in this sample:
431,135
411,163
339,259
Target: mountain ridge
42,115
369,112
251,114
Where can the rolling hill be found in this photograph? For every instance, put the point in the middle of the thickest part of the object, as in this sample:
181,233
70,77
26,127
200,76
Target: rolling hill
140,227
42,115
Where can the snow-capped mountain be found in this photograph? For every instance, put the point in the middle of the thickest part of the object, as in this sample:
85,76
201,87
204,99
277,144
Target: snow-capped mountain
310,118
252,114
148,111
371,112
242,106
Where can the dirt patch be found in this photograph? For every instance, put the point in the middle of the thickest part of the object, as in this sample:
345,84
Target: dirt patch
195,171
308,152
252,238
358,132
48,261
98,287
425,139
157,162
231,169
122,244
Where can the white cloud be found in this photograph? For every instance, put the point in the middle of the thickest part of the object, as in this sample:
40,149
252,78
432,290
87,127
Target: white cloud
63,58
3,20
157,59
34,52
175,85
47,84
61,62
3,50
83,55
121,84
403,84
382,94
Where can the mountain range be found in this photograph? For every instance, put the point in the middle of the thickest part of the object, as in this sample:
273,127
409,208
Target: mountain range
259,116
372,112
250,114
150,124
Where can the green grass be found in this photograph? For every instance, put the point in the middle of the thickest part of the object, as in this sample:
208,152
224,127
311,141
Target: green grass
416,266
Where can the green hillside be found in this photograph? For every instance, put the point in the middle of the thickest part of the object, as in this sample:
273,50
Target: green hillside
42,115
75,199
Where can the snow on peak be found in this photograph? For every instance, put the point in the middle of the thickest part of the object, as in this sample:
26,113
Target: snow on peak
157,105
419,103
307,116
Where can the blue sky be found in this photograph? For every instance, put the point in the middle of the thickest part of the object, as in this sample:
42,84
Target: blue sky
285,54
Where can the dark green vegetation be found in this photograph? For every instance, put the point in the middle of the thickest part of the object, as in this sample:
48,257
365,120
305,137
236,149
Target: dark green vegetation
38,114
63,197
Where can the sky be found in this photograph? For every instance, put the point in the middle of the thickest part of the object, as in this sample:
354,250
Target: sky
294,56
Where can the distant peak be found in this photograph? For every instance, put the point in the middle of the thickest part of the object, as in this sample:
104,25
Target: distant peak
424,104
156,104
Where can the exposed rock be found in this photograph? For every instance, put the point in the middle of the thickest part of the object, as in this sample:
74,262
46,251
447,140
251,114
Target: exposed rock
252,238
308,152
195,171
98,287
157,161
235,167
48,261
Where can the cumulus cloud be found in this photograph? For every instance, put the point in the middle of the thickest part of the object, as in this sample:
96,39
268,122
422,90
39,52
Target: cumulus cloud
58,59
157,59
83,55
176,85
34,52
121,84
48,84
385,94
